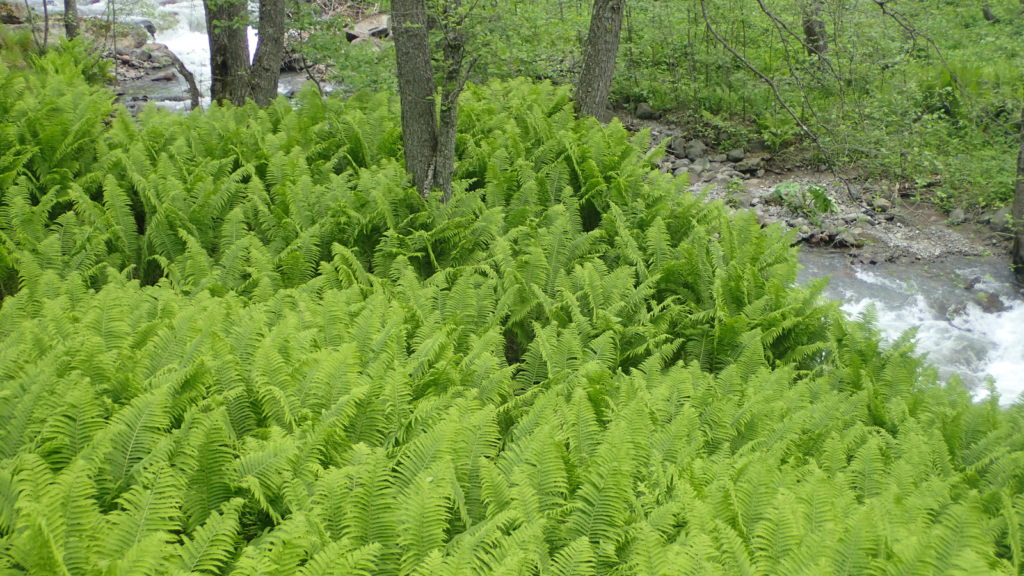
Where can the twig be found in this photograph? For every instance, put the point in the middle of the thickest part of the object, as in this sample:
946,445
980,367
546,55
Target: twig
193,89
778,98
309,75
909,28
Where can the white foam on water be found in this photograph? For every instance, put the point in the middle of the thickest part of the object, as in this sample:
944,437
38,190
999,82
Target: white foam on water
188,40
975,344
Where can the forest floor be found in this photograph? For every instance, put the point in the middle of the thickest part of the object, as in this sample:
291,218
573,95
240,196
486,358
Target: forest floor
872,220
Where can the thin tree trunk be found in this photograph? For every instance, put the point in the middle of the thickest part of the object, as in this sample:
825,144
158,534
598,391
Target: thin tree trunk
71,19
595,81
454,51
986,11
415,90
815,35
266,66
229,50
1017,252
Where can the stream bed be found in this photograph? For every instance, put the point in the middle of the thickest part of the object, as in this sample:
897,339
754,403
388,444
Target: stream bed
969,311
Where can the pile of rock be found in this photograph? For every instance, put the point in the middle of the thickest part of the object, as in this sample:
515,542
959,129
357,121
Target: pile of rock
693,158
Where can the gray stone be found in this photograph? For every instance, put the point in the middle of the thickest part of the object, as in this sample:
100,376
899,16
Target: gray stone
735,155
644,111
695,149
744,200
956,216
375,26
13,13
1001,221
680,171
719,158
750,165
142,55
848,238
990,303
882,205
702,163
985,217
678,146
756,145
680,164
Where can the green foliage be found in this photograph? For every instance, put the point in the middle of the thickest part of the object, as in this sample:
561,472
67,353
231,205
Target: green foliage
242,344
812,201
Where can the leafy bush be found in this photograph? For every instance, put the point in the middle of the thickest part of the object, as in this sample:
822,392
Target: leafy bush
242,344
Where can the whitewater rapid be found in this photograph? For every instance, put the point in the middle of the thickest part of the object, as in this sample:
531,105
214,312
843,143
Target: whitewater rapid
955,332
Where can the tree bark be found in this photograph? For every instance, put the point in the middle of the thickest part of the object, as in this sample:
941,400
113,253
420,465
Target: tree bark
815,34
229,50
415,90
71,29
266,65
1017,251
595,81
986,11
454,52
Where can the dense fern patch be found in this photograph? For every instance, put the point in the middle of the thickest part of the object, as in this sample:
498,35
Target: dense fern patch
240,343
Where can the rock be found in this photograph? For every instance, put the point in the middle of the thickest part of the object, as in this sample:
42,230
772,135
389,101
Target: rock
644,111
142,55
148,27
956,216
805,230
375,26
702,164
680,171
756,145
985,217
695,149
848,238
990,303
760,172
719,158
13,13
680,164
735,155
882,205
1000,221
165,76
972,282
678,146
744,200
292,63
125,59
750,165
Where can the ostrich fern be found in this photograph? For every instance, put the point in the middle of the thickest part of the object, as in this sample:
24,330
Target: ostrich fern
240,343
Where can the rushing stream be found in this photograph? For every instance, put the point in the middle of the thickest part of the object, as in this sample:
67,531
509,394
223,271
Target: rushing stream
954,330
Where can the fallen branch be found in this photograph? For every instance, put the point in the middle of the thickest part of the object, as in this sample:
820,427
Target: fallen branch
778,97
193,89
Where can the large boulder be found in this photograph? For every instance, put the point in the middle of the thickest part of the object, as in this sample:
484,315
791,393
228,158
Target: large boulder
750,165
375,26
1001,221
13,13
695,149
644,111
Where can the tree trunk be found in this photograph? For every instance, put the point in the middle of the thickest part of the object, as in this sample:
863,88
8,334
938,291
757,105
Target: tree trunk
454,51
229,50
415,90
595,80
815,35
266,65
986,11
71,19
1017,252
